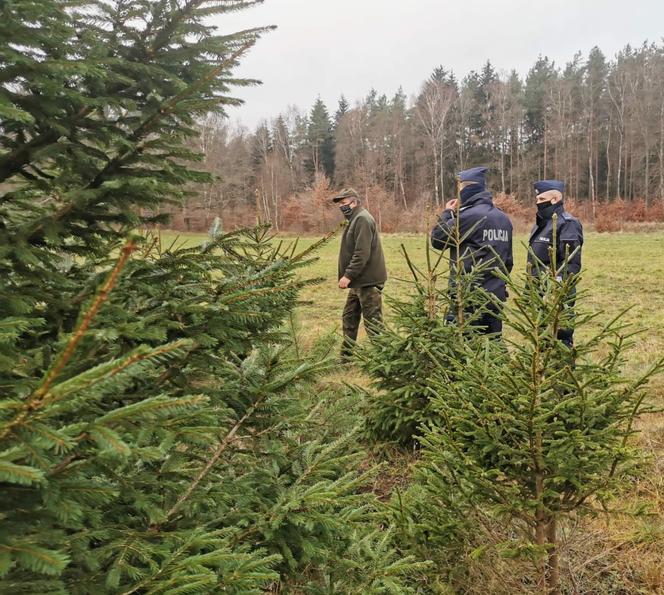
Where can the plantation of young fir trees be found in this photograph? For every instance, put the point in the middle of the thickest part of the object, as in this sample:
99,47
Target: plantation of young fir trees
519,438
159,432
161,428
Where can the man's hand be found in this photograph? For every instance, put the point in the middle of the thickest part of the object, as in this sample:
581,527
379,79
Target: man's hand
344,282
451,204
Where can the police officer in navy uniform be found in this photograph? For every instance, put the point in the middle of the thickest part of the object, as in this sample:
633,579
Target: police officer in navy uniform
568,239
486,234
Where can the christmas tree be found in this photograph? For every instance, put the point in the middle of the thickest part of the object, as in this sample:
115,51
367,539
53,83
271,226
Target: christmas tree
428,333
158,432
521,437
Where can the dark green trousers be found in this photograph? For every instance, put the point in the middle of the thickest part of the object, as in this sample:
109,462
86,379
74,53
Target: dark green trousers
362,302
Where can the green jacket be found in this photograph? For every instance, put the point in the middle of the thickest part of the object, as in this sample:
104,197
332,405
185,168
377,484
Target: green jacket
361,255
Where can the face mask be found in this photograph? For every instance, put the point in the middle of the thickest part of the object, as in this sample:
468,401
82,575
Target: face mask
545,209
346,210
469,191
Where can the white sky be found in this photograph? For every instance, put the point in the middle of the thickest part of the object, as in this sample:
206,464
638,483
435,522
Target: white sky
329,47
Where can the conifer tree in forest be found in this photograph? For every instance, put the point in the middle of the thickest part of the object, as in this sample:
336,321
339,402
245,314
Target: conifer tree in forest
320,141
342,108
157,432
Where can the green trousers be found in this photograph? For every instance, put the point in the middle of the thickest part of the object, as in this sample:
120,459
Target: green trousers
362,302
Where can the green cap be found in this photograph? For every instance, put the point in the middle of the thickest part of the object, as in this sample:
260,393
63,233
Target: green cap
346,193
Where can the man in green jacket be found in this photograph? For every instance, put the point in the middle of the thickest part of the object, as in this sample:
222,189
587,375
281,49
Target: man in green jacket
361,270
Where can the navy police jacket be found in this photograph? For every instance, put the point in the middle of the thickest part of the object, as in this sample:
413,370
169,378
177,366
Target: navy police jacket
490,240
569,237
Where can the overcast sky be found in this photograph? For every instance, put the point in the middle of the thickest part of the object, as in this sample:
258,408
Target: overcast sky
329,47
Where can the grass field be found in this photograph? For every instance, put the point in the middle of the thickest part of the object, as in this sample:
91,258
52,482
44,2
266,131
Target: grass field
620,270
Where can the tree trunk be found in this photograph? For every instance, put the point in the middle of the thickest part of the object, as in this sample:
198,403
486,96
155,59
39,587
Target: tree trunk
591,178
541,525
576,172
275,197
511,167
435,173
608,163
620,148
553,561
646,178
546,149
630,184
502,165
661,151
403,193
442,174
596,178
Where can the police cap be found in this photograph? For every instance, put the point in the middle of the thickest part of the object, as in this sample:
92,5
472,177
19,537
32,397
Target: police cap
474,174
546,185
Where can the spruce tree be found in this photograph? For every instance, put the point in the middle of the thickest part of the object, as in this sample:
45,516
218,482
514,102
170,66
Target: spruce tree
416,344
320,141
523,433
537,432
157,430
429,332
342,109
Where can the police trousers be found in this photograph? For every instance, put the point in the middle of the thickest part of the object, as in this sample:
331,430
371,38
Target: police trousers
566,336
362,302
488,323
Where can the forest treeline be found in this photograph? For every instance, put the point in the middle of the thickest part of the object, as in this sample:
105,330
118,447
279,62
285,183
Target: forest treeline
596,123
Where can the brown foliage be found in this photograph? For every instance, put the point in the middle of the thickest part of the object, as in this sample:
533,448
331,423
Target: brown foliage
522,215
312,211
620,214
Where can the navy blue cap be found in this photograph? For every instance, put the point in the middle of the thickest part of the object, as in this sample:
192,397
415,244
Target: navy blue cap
546,185
474,174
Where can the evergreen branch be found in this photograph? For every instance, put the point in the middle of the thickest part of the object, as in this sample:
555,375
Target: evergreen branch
656,368
269,388
215,457
80,331
37,558
251,293
165,36
164,110
411,265
13,162
142,131
68,460
36,400
19,474
162,568
109,370
317,244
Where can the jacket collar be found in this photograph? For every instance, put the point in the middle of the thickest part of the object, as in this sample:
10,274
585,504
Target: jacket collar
483,197
356,211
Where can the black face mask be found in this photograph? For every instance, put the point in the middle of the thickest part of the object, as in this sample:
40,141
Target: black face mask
545,209
347,210
469,191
